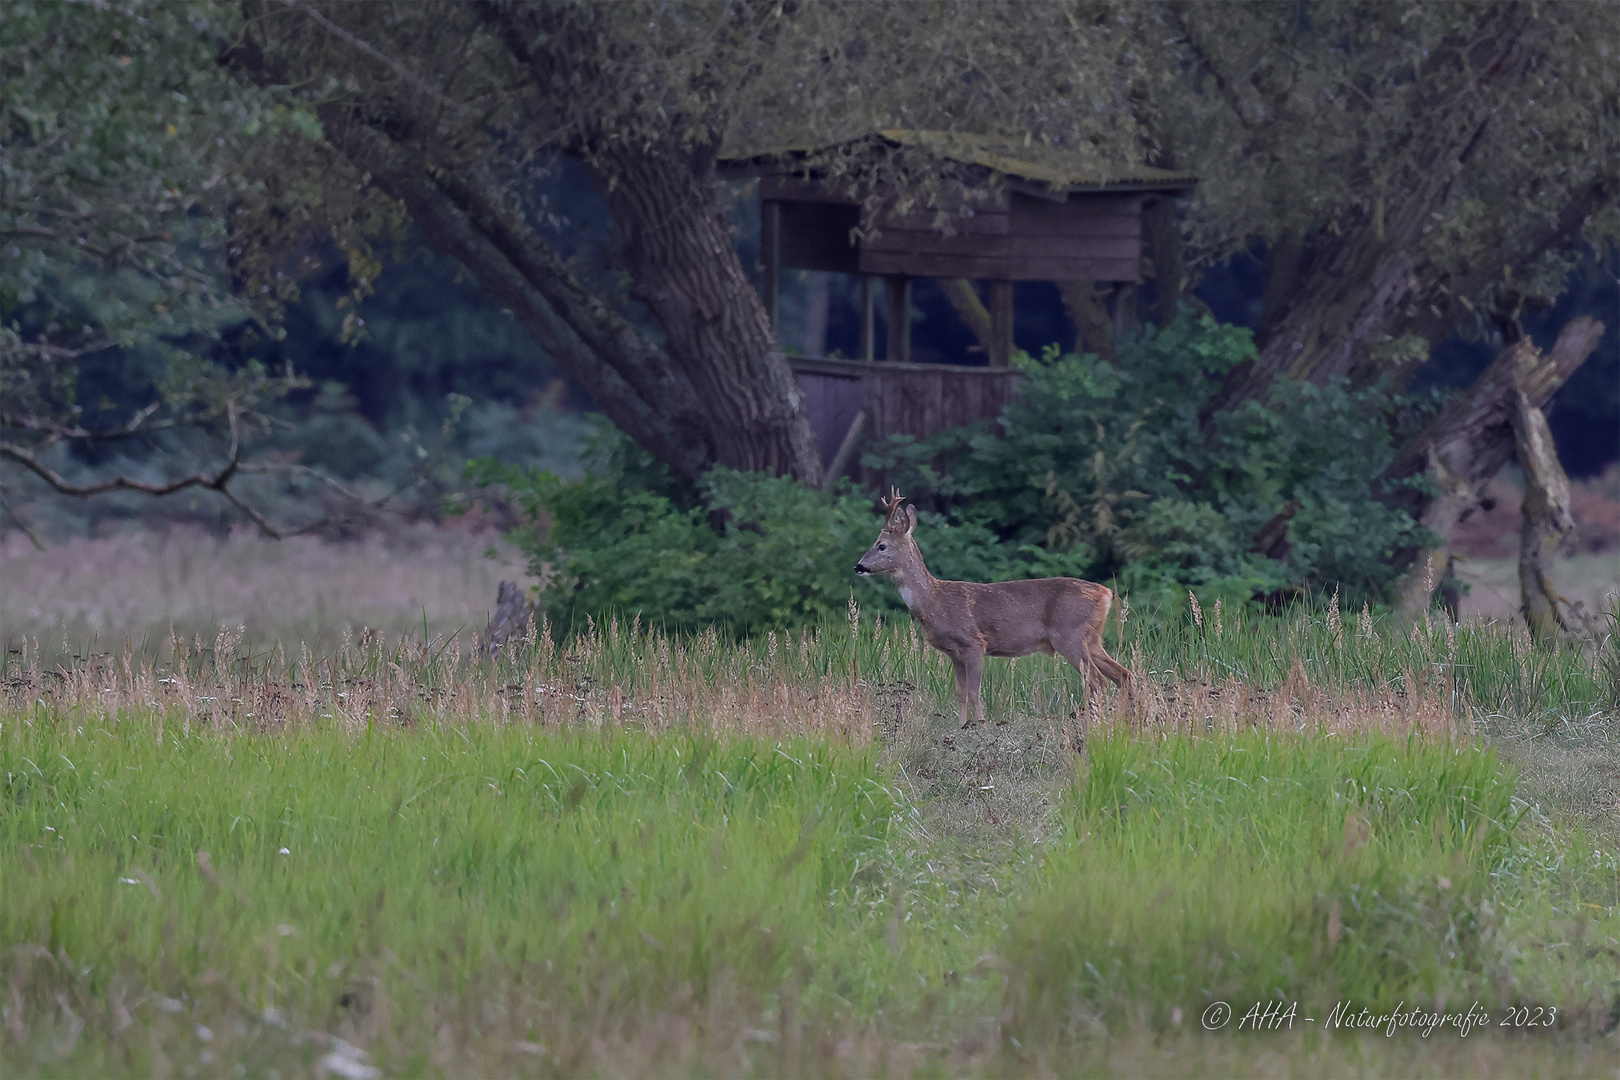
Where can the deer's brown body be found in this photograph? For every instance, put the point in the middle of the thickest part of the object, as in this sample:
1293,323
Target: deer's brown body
968,621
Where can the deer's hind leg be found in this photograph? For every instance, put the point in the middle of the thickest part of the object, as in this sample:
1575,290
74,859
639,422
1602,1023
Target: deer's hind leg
1091,660
1110,669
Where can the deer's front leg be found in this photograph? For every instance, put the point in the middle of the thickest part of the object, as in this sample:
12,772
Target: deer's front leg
960,669
969,674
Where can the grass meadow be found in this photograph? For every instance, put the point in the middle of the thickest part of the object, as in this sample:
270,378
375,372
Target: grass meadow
367,853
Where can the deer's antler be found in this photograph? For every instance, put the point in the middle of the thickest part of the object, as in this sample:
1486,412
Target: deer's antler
891,505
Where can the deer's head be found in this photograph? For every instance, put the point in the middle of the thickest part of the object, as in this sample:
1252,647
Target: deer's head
894,547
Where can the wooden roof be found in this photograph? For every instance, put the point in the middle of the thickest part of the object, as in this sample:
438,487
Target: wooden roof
1053,170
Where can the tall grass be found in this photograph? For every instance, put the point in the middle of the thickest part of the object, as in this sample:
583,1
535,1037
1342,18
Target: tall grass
499,895
1300,871
487,900
1194,670
1489,667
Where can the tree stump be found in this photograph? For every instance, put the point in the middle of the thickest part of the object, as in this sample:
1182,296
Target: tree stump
1547,522
513,617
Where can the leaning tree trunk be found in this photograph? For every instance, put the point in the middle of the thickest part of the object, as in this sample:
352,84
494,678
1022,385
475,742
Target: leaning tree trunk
1093,326
1358,297
1440,476
1547,521
971,310
683,266
718,392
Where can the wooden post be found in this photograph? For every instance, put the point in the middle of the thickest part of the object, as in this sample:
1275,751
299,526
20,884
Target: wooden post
846,450
1001,323
770,245
1124,307
868,321
899,289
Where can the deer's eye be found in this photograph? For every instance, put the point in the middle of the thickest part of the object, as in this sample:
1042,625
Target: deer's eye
883,547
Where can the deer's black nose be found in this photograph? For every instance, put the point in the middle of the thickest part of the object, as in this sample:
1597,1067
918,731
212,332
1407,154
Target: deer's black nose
860,568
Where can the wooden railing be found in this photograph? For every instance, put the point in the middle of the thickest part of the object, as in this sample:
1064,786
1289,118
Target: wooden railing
854,402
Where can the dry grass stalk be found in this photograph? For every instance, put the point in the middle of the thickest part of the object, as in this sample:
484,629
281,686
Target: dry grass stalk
642,680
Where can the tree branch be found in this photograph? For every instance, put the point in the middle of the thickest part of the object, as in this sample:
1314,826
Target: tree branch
627,375
18,520
1472,438
217,481
55,433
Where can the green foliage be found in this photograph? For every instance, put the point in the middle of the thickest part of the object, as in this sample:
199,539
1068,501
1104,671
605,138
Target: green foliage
746,552
1108,467
1335,119
120,134
121,143
1103,470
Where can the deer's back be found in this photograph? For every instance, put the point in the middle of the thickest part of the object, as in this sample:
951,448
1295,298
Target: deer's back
1016,618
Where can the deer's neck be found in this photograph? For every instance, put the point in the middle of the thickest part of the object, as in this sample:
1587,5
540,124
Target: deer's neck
917,586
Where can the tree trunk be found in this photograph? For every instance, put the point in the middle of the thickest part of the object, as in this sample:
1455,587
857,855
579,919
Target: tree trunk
683,266
971,310
1547,521
1161,240
1471,439
628,376
1093,328
720,392
1358,297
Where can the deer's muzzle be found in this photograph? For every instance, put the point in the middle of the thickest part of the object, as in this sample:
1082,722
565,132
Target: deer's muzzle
860,568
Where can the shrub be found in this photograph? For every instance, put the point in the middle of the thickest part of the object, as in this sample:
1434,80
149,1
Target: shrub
743,551
1109,467
1101,470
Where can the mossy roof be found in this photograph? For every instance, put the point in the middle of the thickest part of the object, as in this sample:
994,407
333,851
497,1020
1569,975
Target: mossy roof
1058,169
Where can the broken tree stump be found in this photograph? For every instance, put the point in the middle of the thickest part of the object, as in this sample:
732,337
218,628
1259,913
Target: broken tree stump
1547,522
513,617
1468,443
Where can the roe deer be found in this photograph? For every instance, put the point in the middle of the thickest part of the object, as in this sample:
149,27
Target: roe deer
967,620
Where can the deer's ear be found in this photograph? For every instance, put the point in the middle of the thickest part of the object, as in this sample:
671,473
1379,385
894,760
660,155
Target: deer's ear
911,520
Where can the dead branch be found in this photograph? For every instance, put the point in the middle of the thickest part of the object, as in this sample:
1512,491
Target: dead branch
218,480
1472,438
1468,443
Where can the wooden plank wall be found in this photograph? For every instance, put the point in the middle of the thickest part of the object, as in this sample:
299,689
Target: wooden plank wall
1084,238
911,399
1088,236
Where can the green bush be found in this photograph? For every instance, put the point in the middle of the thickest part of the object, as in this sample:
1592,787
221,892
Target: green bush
744,552
1108,467
1101,470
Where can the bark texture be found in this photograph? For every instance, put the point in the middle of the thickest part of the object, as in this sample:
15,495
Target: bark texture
1547,521
1469,442
1093,327
683,266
